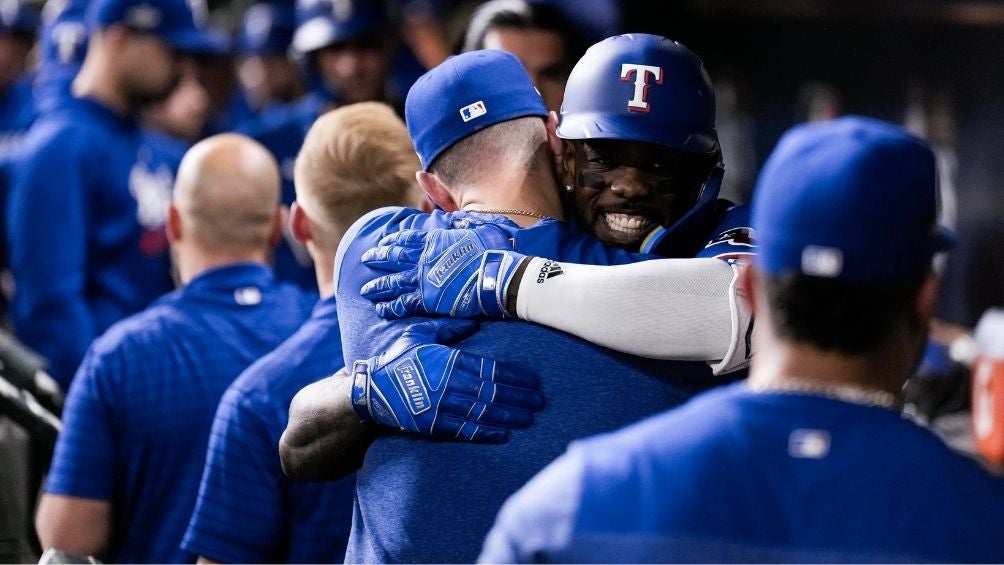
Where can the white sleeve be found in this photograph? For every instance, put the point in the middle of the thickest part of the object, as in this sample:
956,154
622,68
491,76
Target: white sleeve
683,309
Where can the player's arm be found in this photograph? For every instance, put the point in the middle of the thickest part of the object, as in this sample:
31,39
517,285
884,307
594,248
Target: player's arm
75,512
684,309
417,386
77,525
325,439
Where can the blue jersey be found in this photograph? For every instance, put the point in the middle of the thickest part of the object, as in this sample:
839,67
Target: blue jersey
248,511
757,477
17,112
282,131
87,242
430,501
138,416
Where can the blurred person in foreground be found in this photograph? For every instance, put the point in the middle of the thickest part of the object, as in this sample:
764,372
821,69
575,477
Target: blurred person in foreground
810,459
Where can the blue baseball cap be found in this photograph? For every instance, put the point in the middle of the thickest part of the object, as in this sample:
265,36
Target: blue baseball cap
267,28
170,20
210,41
464,94
320,23
18,16
853,199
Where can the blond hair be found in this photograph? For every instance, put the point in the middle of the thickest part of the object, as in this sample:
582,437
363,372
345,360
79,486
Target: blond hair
355,159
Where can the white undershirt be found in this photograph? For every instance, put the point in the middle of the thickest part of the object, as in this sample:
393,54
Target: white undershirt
684,309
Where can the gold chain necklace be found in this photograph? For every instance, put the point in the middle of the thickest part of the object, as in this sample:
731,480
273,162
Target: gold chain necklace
512,211
846,393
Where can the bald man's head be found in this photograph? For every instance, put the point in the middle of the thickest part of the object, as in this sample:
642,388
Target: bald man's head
227,193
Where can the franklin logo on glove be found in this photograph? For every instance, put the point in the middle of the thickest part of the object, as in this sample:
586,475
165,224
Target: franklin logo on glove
411,383
455,258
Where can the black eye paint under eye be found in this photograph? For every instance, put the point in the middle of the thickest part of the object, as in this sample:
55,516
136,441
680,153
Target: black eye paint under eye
594,181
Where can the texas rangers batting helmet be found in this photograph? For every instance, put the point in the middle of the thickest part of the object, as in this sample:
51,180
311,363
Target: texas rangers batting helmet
641,87
647,88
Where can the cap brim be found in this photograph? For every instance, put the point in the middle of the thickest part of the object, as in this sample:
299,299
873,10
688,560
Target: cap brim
194,40
321,32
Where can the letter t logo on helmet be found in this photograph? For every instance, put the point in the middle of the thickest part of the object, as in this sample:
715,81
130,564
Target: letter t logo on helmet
641,73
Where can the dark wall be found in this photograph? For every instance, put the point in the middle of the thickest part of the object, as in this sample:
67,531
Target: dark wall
876,64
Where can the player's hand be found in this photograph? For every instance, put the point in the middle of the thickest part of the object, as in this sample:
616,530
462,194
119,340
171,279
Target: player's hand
462,273
422,386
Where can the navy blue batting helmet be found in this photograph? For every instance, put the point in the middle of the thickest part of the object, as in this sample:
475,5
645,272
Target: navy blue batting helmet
320,23
641,87
267,28
18,16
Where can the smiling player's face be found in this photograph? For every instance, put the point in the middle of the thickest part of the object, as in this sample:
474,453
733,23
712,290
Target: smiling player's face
625,189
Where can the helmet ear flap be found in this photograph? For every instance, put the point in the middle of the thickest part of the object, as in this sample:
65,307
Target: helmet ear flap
685,236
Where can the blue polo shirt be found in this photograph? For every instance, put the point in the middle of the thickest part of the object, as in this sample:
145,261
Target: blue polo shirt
138,416
424,501
248,511
757,477
87,243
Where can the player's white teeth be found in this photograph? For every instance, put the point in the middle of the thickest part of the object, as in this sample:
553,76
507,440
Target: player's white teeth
628,223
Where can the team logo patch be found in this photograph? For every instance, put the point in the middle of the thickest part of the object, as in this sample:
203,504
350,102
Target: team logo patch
471,111
143,17
734,236
410,382
643,76
822,261
809,444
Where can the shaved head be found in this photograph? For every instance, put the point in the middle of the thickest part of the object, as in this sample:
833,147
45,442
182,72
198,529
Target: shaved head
227,192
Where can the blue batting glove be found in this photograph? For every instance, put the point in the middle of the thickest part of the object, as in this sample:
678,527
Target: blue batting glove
423,387
463,273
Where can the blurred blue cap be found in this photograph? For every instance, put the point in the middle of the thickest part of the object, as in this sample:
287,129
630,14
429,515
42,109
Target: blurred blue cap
18,16
320,23
170,20
267,29
465,94
853,199
209,41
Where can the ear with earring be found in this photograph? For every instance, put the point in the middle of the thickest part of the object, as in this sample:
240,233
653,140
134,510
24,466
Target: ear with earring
569,188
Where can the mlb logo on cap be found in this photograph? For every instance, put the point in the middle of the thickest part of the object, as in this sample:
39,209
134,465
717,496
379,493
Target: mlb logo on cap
472,111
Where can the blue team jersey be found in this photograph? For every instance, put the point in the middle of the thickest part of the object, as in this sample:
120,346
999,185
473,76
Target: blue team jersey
757,477
282,131
87,243
17,112
425,501
139,413
248,511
